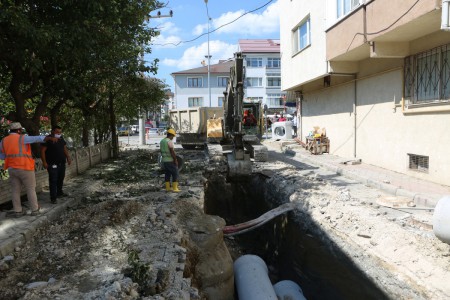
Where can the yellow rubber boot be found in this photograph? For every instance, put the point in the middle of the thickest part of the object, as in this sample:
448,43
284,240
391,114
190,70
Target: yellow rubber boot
175,187
168,187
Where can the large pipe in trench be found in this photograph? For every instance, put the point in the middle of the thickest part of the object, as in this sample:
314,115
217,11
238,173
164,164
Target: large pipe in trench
252,279
441,219
287,289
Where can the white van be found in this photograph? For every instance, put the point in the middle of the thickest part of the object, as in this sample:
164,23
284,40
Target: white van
135,128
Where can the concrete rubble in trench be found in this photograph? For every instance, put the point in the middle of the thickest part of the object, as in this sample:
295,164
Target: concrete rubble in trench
123,237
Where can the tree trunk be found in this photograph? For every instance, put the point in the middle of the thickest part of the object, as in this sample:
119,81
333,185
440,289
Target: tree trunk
112,119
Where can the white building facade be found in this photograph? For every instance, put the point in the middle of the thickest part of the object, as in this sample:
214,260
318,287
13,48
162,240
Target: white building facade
262,72
192,89
376,75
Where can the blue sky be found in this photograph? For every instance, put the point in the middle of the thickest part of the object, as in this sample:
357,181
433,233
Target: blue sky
190,21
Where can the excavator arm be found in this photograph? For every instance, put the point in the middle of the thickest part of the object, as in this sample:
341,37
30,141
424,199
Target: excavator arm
238,160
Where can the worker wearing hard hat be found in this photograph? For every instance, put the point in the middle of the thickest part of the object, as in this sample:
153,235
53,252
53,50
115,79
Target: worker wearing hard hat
169,160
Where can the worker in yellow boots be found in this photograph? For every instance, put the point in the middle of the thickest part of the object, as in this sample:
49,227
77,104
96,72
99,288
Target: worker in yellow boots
169,160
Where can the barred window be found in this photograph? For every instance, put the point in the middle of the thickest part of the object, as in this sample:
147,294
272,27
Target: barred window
427,76
418,162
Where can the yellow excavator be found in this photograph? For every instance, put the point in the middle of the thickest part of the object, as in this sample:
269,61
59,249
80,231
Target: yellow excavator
239,141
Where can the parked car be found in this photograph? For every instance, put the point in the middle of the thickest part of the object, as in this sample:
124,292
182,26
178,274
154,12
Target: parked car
154,131
121,131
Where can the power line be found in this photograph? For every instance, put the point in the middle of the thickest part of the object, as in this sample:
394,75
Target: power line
226,24
384,29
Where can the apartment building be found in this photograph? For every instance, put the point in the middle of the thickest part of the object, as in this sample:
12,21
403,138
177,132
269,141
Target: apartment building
263,73
262,84
376,75
192,89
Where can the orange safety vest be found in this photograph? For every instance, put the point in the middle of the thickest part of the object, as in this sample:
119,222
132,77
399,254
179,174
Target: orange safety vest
18,154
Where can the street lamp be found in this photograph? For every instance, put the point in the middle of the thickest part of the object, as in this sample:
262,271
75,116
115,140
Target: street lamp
208,56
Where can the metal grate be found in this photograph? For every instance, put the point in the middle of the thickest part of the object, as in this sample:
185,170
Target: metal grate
418,162
427,76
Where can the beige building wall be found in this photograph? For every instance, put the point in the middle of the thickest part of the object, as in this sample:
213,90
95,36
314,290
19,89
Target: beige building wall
384,134
310,62
332,109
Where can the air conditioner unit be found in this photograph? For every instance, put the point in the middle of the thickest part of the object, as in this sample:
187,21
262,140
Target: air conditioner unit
282,130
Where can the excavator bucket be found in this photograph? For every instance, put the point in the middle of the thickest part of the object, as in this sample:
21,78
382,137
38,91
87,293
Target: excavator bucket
238,168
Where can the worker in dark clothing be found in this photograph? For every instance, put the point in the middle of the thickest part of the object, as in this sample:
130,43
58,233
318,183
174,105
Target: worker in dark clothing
54,157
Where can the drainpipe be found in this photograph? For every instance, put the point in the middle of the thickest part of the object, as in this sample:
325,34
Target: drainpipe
355,105
287,289
252,279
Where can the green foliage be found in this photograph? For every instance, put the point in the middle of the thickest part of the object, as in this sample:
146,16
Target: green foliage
63,58
140,272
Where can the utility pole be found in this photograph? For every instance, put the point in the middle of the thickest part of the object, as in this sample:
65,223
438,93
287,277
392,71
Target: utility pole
209,57
142,139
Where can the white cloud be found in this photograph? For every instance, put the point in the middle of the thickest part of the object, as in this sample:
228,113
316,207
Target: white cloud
252,24
193,56
168,37
199,29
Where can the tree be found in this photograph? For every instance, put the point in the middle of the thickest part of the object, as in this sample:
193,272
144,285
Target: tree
54,52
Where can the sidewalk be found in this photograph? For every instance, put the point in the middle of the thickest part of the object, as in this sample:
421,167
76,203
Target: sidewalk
423,193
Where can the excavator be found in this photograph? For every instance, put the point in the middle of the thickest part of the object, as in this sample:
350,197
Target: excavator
241,140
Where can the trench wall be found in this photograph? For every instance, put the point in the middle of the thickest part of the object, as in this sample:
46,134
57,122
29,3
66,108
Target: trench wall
293,245
82,160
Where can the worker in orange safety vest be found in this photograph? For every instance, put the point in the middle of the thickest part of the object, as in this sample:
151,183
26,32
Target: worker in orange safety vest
16,151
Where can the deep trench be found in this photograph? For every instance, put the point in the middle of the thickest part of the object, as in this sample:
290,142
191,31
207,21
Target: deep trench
293,246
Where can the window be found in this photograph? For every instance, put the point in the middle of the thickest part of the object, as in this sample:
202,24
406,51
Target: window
275,100
222,81
274,81
220,101
418,162
273,63
255,62
427,76
302,36
253,99
254,82
195,101
343,7
195,82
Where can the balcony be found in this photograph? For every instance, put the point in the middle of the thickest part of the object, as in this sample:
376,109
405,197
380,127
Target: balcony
380,29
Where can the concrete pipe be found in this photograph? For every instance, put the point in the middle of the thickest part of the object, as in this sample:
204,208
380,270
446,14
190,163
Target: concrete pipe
288,290
252,279
441,219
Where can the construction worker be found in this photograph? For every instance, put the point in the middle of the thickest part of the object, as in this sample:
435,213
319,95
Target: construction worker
15,149
170,161
54,157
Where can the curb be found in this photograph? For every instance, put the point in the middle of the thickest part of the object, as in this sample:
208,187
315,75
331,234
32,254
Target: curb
421,200
8,245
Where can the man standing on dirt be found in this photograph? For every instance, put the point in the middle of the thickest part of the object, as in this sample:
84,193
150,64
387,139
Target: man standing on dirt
54,156
16,150
169,160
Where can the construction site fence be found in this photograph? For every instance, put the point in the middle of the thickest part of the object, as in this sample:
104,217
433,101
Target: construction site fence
82,160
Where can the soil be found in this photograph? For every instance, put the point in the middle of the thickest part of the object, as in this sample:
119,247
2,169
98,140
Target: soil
127,238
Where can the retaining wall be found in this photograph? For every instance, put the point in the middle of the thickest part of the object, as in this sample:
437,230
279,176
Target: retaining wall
82,159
